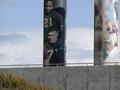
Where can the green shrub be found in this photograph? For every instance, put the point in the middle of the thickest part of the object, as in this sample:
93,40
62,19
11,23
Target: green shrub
9,82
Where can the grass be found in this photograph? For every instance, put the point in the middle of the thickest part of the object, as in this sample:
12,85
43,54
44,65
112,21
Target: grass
10,82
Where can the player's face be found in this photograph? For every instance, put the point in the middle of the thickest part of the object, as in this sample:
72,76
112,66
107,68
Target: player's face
49,6
52,37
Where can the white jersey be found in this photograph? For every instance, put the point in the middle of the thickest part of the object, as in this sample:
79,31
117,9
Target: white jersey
113,56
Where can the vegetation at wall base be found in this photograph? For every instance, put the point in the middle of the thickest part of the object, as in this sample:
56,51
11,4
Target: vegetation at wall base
10,82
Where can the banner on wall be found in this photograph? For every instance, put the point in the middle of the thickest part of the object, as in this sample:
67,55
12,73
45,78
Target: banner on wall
54,32
106,31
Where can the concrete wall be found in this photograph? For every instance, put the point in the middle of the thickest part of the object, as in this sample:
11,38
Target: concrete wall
72,78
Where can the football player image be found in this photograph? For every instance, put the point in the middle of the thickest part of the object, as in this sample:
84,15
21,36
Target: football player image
110,49
54,37
110,24
52,18
49,6
54,53
106,30
109,15
97,34
98,18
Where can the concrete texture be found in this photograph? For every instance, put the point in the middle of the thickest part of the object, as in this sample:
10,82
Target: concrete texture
72,78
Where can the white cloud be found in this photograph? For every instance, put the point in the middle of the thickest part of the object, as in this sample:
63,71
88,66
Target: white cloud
80,45
12,38
27,52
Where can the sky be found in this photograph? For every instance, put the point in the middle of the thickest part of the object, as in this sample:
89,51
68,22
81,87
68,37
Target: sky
21,13
29,13
80,13
21,31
